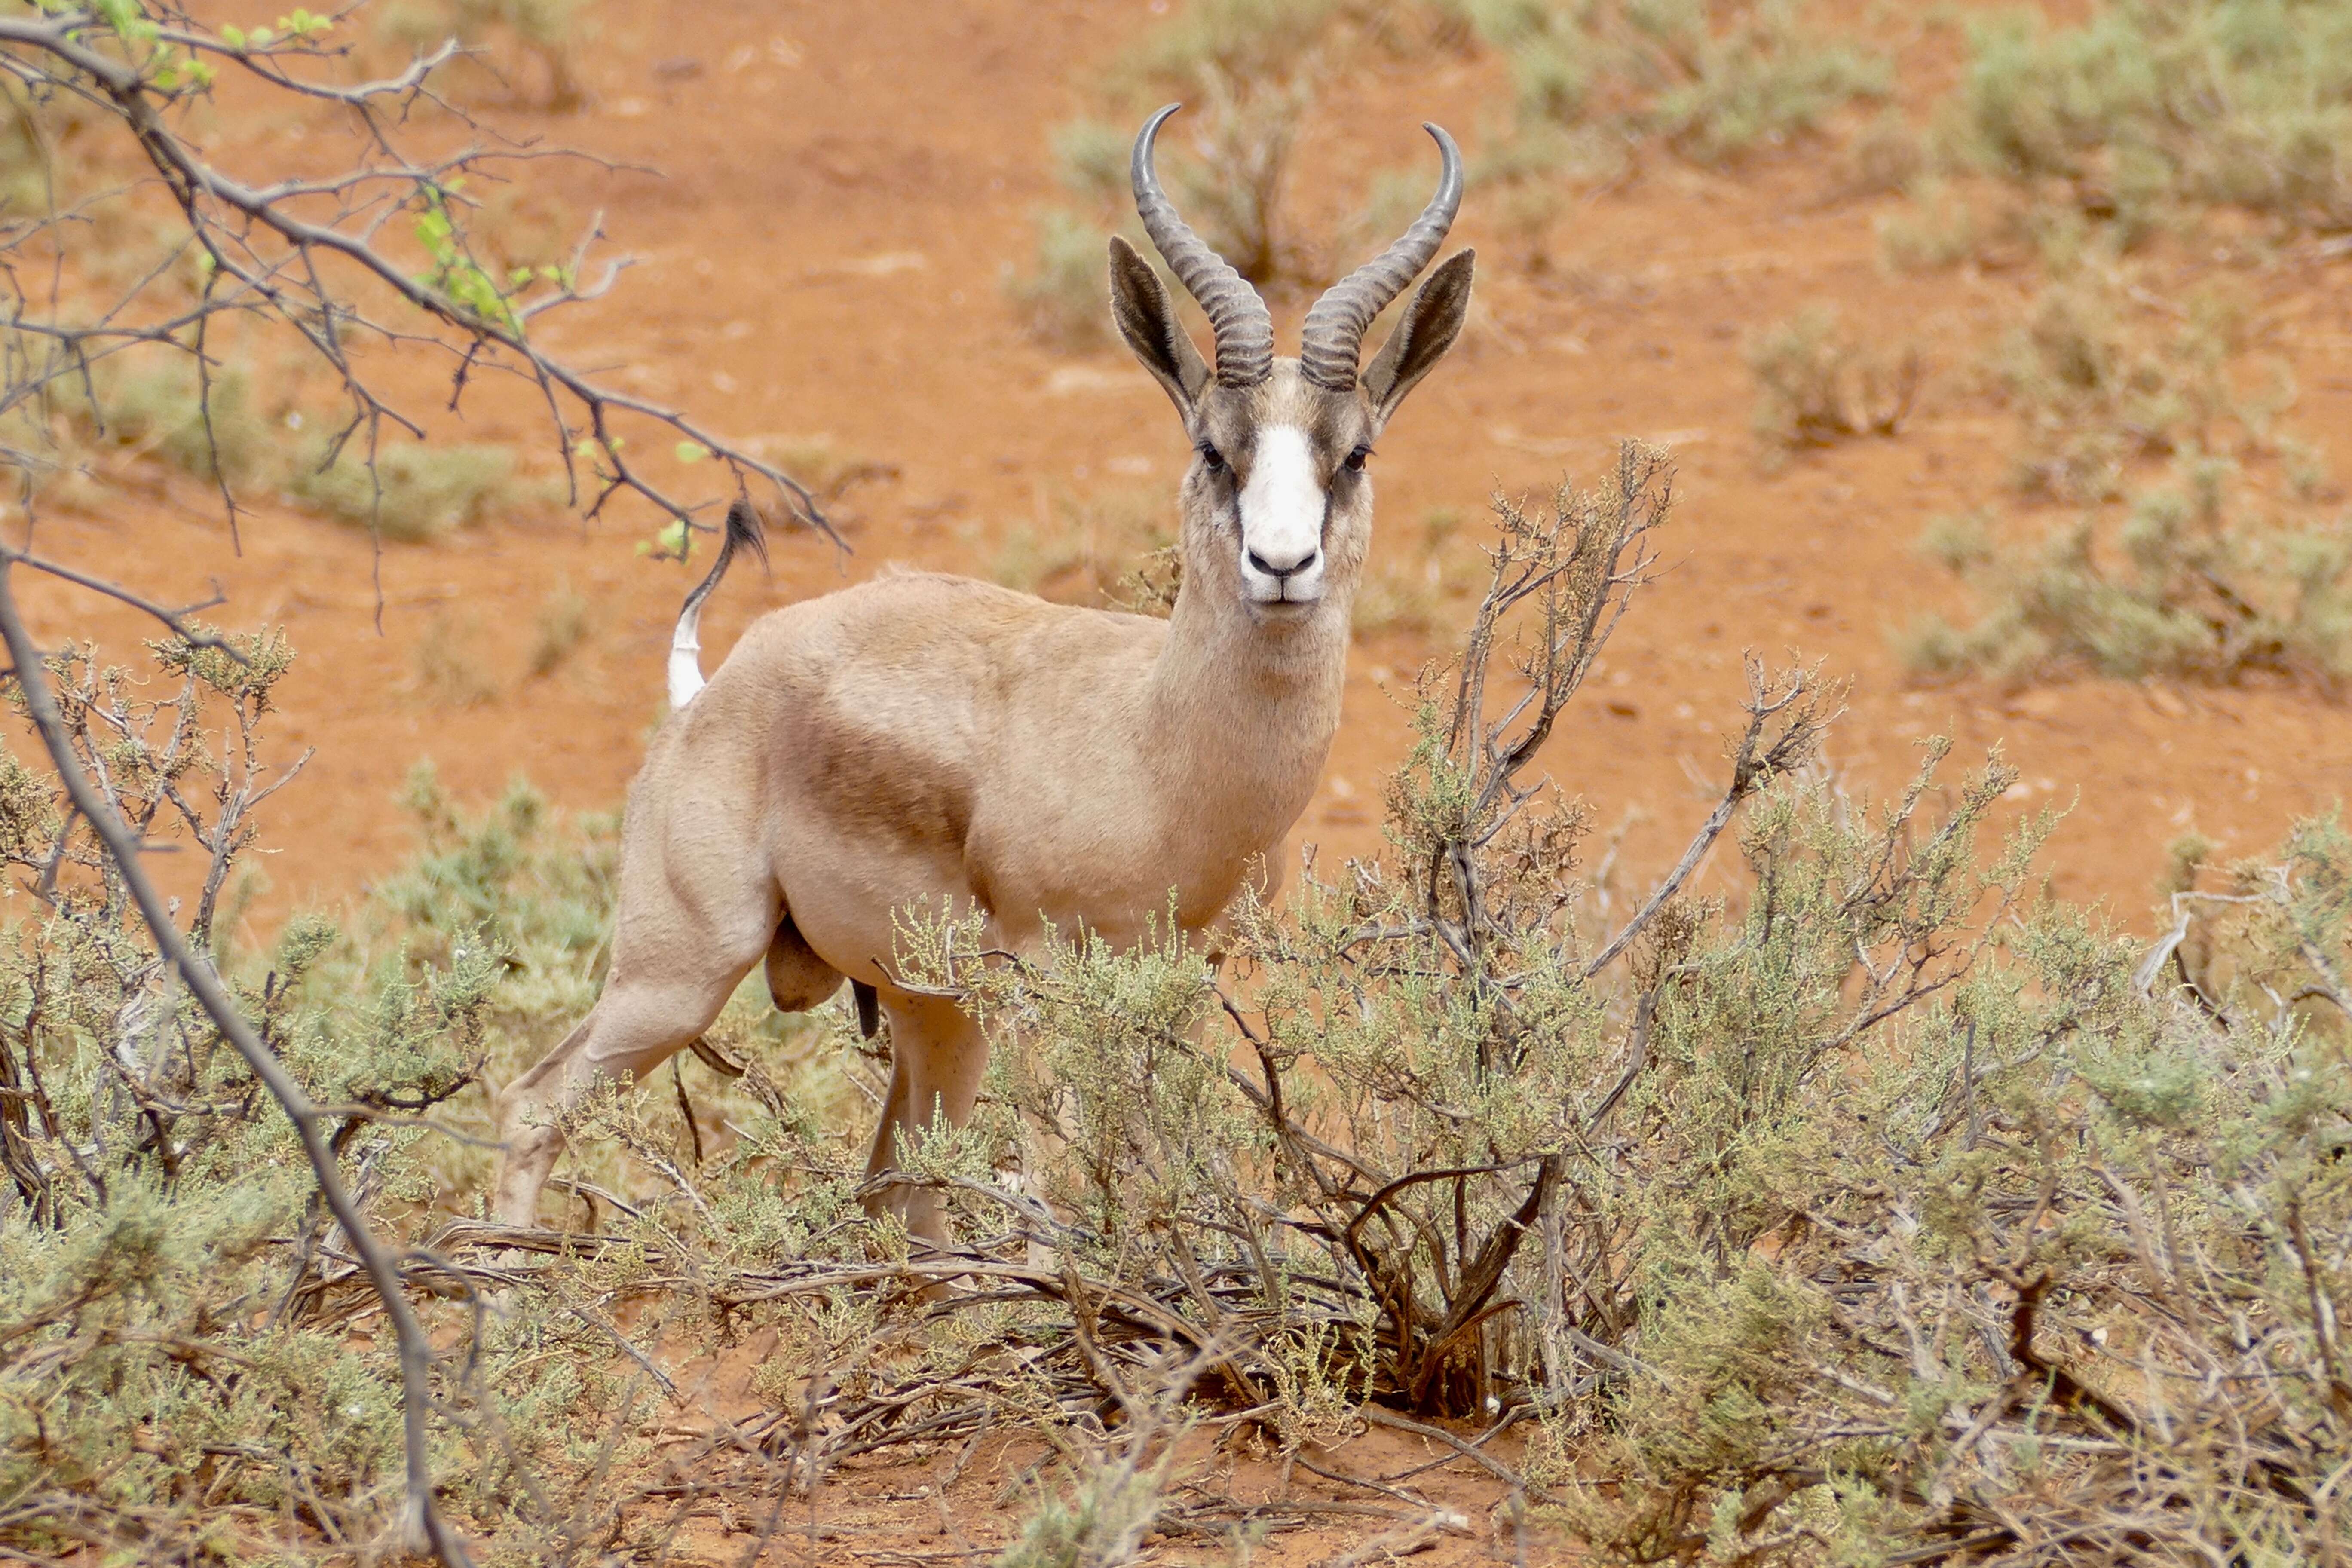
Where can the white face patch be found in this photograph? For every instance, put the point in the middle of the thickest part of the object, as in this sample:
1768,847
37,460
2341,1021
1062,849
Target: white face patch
1282,509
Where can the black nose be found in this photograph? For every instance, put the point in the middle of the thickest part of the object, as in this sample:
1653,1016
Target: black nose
1261,564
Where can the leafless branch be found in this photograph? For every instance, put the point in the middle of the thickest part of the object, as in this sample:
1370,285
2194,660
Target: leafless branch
1757,762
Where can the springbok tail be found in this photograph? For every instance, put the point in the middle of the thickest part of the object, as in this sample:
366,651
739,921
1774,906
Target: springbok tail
742,530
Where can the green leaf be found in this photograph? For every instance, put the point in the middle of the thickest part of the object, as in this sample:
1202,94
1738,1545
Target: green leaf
233,37
261,37
674,539
692,451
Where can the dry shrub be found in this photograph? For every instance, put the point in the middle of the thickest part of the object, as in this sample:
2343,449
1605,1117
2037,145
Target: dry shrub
211,425
1757,79
1416,578
1808,1221
1885,156
190,1362
1090,555
453,666
547,30
1230,189
210,429
1939,227
2189,585
2059,1289
562,627
1246,70
2134,121
1712,81
2201,576
2103,376
179,1374
1063,297
83,432
1818,384
2143,110
407,491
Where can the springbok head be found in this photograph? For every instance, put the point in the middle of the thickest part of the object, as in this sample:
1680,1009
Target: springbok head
1277,506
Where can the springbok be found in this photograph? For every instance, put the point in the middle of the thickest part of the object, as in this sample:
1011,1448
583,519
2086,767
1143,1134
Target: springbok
922,737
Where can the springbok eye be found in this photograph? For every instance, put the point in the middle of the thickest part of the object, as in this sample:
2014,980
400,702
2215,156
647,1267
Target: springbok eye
1355,463
1212,459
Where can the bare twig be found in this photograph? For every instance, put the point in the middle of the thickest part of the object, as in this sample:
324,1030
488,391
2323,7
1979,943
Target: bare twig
1756,763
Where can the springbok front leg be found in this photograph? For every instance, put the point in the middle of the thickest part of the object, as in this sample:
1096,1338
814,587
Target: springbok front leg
938,1053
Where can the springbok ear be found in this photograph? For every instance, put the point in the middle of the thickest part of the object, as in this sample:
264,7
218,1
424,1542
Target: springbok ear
1147,320
1432,321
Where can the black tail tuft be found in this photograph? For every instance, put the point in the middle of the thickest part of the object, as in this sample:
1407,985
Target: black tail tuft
742,532
743,529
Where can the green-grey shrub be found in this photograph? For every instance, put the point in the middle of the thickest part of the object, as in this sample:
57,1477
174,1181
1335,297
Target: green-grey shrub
411,493
2187,587
2143,108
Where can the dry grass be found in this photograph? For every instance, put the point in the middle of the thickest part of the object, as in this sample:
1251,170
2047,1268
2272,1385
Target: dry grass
1112,548
1818,384
561,626
410,492
453,662
2105,375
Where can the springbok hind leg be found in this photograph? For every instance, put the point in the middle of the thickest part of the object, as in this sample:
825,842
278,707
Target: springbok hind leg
937,1055
674,967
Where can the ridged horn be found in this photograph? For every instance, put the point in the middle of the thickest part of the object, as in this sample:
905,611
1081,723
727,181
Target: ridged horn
1332,339
1238,317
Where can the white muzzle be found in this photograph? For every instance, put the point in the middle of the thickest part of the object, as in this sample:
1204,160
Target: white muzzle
1282,508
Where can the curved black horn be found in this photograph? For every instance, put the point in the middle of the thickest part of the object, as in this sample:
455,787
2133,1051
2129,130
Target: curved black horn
1332,339
1245,331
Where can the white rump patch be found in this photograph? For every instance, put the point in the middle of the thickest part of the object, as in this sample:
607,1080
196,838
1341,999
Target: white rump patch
686,658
